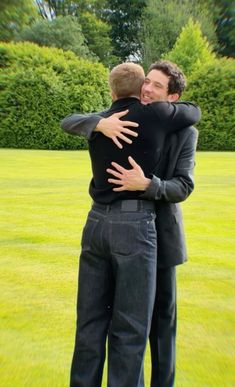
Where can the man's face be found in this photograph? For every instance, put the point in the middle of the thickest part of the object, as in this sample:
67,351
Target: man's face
155,88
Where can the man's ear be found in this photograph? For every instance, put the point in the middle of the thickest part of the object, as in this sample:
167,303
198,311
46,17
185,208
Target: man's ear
113,95
173,97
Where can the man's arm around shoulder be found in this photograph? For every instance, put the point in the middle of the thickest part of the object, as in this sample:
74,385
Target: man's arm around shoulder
81,124
176,115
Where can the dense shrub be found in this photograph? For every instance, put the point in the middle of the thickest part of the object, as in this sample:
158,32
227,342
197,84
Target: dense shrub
212,87
40,86
191,50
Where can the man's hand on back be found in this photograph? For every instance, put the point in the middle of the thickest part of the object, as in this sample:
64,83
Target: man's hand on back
116,129
128,179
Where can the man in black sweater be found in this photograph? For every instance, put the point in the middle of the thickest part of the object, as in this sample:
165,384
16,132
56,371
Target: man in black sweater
117,274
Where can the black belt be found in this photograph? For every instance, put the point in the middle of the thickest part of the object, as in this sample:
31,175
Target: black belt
126,206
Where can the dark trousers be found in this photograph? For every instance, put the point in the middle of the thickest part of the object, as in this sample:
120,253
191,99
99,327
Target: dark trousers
116,291
163,329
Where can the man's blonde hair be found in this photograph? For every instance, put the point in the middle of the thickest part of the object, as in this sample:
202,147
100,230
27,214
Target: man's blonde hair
126,80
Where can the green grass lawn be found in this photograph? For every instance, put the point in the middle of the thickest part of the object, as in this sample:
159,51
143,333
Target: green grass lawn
44,202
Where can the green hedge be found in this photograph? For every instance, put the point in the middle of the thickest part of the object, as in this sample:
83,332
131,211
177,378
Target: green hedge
38,87
212,87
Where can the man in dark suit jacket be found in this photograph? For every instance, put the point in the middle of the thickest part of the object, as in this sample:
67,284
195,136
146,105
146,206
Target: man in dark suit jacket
173,184
177,177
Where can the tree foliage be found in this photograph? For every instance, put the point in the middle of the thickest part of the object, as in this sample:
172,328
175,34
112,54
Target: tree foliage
6,3
162,22
50,9
223,13
225,27
88,15
62,32
14,16
124,18
191,49
96,33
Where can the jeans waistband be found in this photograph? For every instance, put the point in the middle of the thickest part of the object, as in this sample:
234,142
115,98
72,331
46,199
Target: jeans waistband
126,206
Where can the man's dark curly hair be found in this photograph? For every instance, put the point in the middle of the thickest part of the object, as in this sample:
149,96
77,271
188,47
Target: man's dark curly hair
177,81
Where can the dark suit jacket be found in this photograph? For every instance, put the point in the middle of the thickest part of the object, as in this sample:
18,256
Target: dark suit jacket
173,186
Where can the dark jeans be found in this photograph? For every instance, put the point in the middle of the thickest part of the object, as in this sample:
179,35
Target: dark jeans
163,329
116,290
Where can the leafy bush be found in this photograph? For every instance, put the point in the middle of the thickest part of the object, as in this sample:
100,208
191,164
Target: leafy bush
212,87
191,49
40,86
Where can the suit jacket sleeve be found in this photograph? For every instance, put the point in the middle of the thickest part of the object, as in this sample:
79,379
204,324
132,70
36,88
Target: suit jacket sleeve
81,124
181,184
176,115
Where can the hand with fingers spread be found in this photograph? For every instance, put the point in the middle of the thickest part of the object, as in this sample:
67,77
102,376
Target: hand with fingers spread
116,129
128,179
